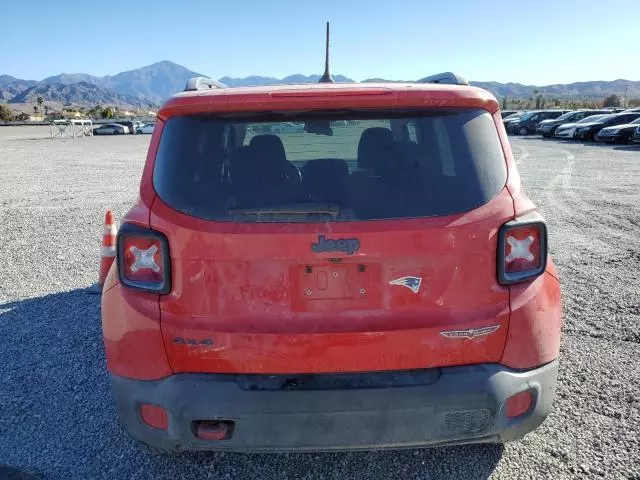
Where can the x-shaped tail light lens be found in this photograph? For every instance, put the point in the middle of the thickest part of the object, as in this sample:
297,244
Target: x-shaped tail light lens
520,249
523,250
143,259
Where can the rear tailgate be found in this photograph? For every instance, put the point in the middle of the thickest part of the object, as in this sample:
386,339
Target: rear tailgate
258,299
399,272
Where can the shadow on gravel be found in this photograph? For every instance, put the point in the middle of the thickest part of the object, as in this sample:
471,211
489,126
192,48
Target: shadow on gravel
55,408
464,462
57,416
564,141
28,139
532,138
628,148
10,473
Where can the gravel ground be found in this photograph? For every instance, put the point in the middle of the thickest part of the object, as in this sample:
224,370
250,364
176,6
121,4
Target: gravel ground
56,414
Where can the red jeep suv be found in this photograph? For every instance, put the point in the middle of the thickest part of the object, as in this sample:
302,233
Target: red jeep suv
331,266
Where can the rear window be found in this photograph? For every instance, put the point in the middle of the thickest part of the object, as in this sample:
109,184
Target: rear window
626,118
569,115
592,118
333,166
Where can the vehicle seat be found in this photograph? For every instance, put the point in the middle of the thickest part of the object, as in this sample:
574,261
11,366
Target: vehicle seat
270,149
388,184
260,177
376,152
325,179
205,177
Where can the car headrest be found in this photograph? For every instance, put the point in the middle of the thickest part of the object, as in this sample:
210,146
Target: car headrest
376,149
269,147
325,169
254,166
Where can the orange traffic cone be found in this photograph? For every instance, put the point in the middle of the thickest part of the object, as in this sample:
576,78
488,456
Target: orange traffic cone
108,247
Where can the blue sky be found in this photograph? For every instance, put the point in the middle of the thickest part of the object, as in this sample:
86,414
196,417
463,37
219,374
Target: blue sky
538,42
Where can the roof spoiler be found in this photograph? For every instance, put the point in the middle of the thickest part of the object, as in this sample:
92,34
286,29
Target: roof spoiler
447,78
202,83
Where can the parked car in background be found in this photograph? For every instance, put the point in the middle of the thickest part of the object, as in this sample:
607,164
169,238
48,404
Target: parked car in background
131,126
636,136
111,129
146,128
507,113
589,131
528,122
288,127
632,110
622,133
548,127
510,119
568,130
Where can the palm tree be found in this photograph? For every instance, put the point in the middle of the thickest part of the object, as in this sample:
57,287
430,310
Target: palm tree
40,101
35,109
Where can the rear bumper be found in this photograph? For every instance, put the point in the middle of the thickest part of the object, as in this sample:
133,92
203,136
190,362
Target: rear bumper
454,405
563,134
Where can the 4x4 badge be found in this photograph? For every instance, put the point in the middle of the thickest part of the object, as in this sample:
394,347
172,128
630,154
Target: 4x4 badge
412,283
345,245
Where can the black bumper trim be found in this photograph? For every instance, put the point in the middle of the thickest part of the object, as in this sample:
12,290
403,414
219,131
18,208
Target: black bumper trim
464,405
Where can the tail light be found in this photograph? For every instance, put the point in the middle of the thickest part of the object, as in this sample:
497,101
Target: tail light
143,259
522,249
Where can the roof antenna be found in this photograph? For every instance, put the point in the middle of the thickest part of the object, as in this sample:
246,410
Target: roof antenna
326,76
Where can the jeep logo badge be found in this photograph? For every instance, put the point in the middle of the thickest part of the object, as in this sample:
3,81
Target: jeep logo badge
344,245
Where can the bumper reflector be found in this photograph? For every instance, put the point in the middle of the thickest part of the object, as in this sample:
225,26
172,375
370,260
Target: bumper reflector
519,404
154,416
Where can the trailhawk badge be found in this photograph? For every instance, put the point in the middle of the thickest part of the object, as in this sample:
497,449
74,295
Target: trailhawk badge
412,283
471,333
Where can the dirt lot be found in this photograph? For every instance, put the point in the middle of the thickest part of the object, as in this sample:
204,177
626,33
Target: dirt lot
56,414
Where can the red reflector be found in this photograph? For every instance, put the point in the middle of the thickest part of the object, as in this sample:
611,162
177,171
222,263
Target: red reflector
519,404
522,249
154,416
143,259
214,430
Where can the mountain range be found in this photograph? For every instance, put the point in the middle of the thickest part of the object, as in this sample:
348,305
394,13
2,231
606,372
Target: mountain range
151,85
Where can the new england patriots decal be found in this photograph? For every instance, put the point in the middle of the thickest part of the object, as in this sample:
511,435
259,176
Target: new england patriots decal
412,283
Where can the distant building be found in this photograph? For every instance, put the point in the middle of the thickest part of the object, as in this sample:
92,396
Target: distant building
30,117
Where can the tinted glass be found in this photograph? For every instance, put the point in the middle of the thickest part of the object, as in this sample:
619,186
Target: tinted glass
605,118
592,118
625,118
568,115
331,167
